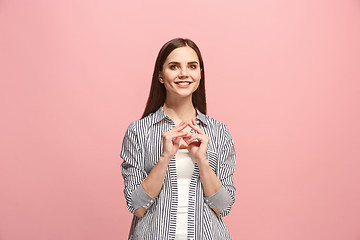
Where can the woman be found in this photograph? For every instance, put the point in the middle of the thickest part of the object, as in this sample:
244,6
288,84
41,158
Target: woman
178,162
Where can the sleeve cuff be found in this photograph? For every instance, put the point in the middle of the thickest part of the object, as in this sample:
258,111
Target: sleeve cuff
141,199
221,199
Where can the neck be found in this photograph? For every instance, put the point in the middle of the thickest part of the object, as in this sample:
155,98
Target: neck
179,109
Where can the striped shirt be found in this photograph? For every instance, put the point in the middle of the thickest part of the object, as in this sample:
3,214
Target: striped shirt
141,149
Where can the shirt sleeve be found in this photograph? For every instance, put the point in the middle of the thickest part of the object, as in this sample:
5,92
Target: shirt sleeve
224,198
133,171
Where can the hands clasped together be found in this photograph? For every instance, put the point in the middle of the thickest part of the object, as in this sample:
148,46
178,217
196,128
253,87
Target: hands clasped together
197,143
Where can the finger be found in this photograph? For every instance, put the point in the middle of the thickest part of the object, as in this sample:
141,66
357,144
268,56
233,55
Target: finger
190,141
194,138
194,142
179,134
179,127
196,127
172,136
177,141
199,137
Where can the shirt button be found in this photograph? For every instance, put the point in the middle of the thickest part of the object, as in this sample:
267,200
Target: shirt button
151,201
207,200
147,204
210,203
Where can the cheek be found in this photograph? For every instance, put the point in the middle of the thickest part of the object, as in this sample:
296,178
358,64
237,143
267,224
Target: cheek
170,74
196,76
197,83
168,79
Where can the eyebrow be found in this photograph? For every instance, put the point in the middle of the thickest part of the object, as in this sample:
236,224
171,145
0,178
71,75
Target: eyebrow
179,63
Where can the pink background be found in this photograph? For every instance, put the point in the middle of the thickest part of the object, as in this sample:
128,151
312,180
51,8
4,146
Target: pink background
283,75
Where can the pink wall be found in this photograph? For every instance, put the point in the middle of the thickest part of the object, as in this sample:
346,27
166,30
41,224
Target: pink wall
74,74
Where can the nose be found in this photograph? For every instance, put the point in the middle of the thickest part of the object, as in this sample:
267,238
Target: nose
183,73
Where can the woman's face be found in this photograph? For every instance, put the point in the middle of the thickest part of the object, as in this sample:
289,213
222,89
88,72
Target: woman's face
181,72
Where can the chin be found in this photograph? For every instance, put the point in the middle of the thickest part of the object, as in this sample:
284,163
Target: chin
184,95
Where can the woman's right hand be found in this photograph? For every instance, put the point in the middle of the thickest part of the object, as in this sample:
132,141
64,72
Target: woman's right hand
171,139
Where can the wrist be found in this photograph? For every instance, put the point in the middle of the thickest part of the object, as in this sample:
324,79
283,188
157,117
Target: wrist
202,162
165,158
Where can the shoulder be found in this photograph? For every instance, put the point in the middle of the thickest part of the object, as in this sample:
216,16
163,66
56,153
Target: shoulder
140,125
216,125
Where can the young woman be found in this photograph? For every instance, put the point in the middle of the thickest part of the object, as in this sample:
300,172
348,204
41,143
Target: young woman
178,162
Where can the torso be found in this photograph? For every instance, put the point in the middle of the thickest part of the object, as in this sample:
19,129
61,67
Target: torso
204,222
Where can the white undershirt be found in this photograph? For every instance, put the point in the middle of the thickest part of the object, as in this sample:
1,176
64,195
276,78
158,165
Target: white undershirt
184,170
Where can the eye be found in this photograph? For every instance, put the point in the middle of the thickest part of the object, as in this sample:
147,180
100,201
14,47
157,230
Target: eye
173,67
193,66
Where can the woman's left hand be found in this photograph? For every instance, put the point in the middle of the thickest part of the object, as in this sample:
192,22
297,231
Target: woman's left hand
198,142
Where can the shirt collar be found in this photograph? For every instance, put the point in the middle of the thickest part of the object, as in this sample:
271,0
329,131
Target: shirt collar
160,114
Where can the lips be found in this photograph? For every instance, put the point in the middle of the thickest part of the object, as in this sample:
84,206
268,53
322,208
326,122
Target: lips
183,83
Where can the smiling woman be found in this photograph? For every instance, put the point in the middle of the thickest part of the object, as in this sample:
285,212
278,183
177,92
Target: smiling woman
181,69
178,162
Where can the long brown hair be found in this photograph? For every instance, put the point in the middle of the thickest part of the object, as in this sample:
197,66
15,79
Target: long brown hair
157,93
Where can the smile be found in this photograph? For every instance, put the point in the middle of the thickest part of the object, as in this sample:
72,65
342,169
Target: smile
183,84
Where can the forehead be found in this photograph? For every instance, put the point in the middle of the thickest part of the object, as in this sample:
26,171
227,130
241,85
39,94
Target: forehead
183,54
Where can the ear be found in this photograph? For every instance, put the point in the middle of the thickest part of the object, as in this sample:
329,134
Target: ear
161,78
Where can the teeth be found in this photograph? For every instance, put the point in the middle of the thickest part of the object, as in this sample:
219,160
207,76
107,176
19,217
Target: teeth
183,83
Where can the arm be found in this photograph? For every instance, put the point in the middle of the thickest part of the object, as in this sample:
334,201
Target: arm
224,198
209,181
142,189
219,190
132,169
152,184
